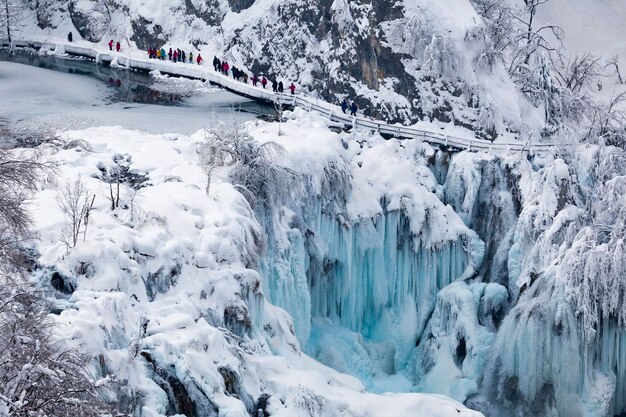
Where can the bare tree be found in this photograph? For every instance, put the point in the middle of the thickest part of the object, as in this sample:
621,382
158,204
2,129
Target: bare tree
12,17
607,123
119,173
614,62
254,168
41,375
19,175
214,151
579,72
76,202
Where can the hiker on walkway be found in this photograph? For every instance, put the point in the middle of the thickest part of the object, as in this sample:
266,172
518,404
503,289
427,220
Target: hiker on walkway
254,80
215,62
191,57
225,67
280,87
183,56
163,54
274,86
199,59
175,56
118,46
169,54
235,73
344,106
111,45
264,82
70,37
178,53
245,78
292,87
353,109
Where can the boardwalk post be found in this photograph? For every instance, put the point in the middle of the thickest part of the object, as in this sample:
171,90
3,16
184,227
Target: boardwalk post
446,141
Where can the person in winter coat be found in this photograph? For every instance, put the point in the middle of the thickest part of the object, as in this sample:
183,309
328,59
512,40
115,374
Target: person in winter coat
118,46
245,78
280,87
225,67
199,59
163,54
264,82
191,57
184,57
178,53
274,86
344,105
70,37
353,109
214,62
169,54
111,45
292,87
235,73
255,79
175,56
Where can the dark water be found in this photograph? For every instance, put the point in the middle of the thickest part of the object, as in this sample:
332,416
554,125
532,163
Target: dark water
126,86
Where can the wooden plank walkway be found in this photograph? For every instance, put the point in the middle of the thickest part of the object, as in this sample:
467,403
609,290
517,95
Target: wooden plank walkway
330,111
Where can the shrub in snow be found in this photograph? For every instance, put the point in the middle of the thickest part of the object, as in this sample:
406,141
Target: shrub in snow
254,169
75,201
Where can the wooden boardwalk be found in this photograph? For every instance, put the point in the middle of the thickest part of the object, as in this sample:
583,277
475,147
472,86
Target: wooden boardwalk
330,111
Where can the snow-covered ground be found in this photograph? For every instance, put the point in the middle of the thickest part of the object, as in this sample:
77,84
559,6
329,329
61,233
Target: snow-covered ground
163,290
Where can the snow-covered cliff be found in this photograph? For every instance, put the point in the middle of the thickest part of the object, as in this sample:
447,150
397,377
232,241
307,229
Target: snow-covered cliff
400,61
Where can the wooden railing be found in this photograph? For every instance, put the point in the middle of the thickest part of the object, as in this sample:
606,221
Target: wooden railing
330,111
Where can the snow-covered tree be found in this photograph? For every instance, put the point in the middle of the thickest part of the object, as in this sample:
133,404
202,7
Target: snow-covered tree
254,169
40,375
11,17
19,174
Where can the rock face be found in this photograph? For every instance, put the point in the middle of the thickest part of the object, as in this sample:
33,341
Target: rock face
399,61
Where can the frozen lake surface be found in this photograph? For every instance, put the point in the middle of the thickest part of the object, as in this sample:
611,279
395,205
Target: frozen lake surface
68,93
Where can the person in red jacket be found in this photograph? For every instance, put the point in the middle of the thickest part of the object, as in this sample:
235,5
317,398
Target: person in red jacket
264,81
175,56
199,59
111,45
117,47
292,88
226,68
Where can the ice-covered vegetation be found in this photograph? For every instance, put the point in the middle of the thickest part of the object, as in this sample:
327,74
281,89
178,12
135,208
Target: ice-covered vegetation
226,271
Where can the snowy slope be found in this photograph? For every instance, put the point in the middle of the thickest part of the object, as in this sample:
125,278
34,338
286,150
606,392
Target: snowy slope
162,291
